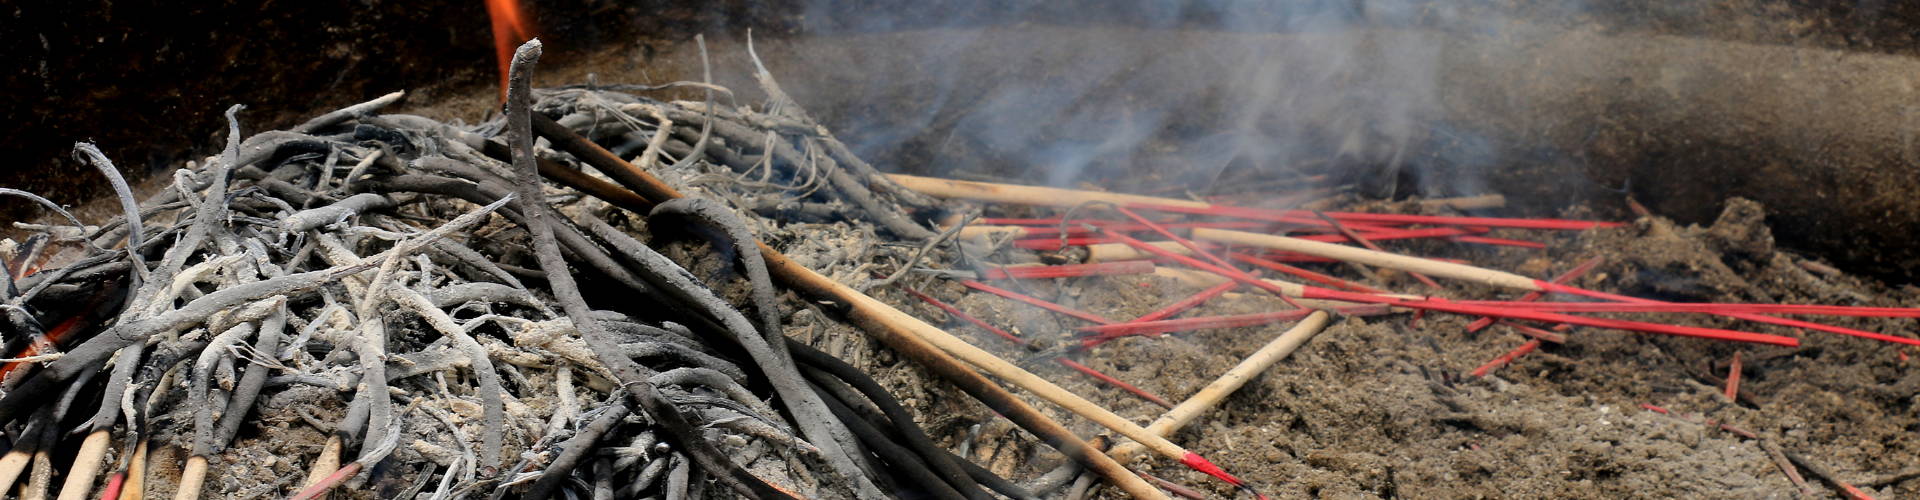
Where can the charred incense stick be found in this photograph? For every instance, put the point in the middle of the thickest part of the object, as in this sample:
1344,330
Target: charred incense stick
932,347
1213,393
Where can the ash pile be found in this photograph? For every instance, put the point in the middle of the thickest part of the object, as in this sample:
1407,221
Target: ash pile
387,306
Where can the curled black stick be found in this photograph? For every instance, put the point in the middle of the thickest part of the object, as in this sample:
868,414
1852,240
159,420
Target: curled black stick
574,449
124,368
854,191
569,236
740,241
201,380
632,376
941,460
87,153
308,219
88,355
665,354
809,413
72,394
50,205
252,381
920,480
212,208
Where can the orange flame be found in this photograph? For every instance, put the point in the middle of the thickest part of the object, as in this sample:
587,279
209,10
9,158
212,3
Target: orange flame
511,27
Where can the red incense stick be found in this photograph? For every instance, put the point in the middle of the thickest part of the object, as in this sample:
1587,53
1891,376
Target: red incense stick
1076,366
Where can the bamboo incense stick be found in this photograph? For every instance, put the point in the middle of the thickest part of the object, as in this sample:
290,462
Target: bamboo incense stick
1045,196
1562,278
1485,276
86,464
1060,197
1283,288
1191,409
1369,257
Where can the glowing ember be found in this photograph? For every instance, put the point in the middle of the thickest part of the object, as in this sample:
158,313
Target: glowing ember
511,27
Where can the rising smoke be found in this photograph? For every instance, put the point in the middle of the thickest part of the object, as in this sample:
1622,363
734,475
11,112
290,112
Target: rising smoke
1065,92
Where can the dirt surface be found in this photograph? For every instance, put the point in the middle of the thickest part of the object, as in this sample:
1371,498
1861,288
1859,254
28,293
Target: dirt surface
1383,407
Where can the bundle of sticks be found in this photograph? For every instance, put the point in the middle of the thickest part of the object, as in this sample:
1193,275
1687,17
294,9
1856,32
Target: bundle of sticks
1220,240
414,291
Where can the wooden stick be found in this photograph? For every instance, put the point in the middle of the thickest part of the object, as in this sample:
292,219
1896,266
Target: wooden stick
1369,244
11,465
1027,195
86,465
1466,202
879,312
327,463
1220,388
1069,363
41,479
191,479
136,485
922,342
1059,197
1485,276
1460,308
1369,257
